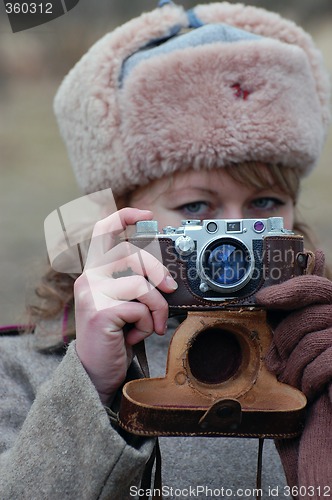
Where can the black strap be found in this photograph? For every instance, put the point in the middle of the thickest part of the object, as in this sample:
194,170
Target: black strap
11,330
155,458
259,468
158,478
140,352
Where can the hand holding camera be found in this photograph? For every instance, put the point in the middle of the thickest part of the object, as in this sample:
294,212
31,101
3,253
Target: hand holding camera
114,312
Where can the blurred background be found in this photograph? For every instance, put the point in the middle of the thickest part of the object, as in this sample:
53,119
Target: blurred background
35,173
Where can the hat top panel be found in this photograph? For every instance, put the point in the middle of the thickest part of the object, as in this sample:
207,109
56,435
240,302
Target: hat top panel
204,35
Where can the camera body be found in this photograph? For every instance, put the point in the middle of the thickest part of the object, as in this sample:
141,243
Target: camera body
216,381
223,263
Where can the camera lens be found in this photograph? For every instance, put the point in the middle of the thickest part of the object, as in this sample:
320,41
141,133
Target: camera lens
227,263
214,356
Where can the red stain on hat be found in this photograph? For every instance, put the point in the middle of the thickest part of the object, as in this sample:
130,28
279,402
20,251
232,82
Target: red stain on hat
239,92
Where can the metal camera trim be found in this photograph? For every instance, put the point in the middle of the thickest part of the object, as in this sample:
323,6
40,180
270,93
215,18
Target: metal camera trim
186,247
205,280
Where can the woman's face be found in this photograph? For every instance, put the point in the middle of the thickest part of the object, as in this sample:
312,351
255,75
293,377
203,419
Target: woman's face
210,195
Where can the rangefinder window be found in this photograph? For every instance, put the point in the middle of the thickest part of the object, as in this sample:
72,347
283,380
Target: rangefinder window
234,227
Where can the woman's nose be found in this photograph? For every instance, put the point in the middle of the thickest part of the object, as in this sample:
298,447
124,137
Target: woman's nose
232,211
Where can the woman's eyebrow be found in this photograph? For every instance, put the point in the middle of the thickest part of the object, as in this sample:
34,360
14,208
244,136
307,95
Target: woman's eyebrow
189,190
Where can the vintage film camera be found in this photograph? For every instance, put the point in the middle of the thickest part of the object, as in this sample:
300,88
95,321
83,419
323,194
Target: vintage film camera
216,382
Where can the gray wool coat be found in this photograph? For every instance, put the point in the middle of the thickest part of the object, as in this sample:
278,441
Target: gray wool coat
57,442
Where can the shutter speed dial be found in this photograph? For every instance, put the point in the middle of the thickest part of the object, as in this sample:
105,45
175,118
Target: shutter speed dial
184,245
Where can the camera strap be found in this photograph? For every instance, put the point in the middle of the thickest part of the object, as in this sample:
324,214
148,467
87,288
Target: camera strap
155,458
140,353
146,481
259,468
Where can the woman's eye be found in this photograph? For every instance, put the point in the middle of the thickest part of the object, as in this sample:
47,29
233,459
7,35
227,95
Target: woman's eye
194,208
267,203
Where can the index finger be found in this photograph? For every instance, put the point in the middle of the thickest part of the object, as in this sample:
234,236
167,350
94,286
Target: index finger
106,230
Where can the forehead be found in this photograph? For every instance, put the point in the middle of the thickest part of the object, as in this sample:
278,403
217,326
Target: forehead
236,177
195,178
179,181
217,182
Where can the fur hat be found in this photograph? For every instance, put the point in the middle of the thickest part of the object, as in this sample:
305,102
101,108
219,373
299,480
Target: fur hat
217,85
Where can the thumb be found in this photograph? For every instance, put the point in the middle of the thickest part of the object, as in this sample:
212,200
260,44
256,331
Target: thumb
273,361
296,293
319,266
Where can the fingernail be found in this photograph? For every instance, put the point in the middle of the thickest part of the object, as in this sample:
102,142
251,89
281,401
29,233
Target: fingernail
171,283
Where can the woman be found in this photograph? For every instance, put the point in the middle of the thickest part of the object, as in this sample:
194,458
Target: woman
212,113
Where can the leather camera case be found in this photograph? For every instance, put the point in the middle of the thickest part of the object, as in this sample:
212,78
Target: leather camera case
249,401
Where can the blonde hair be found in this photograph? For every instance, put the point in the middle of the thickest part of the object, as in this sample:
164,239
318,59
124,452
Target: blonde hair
285,179
55,291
